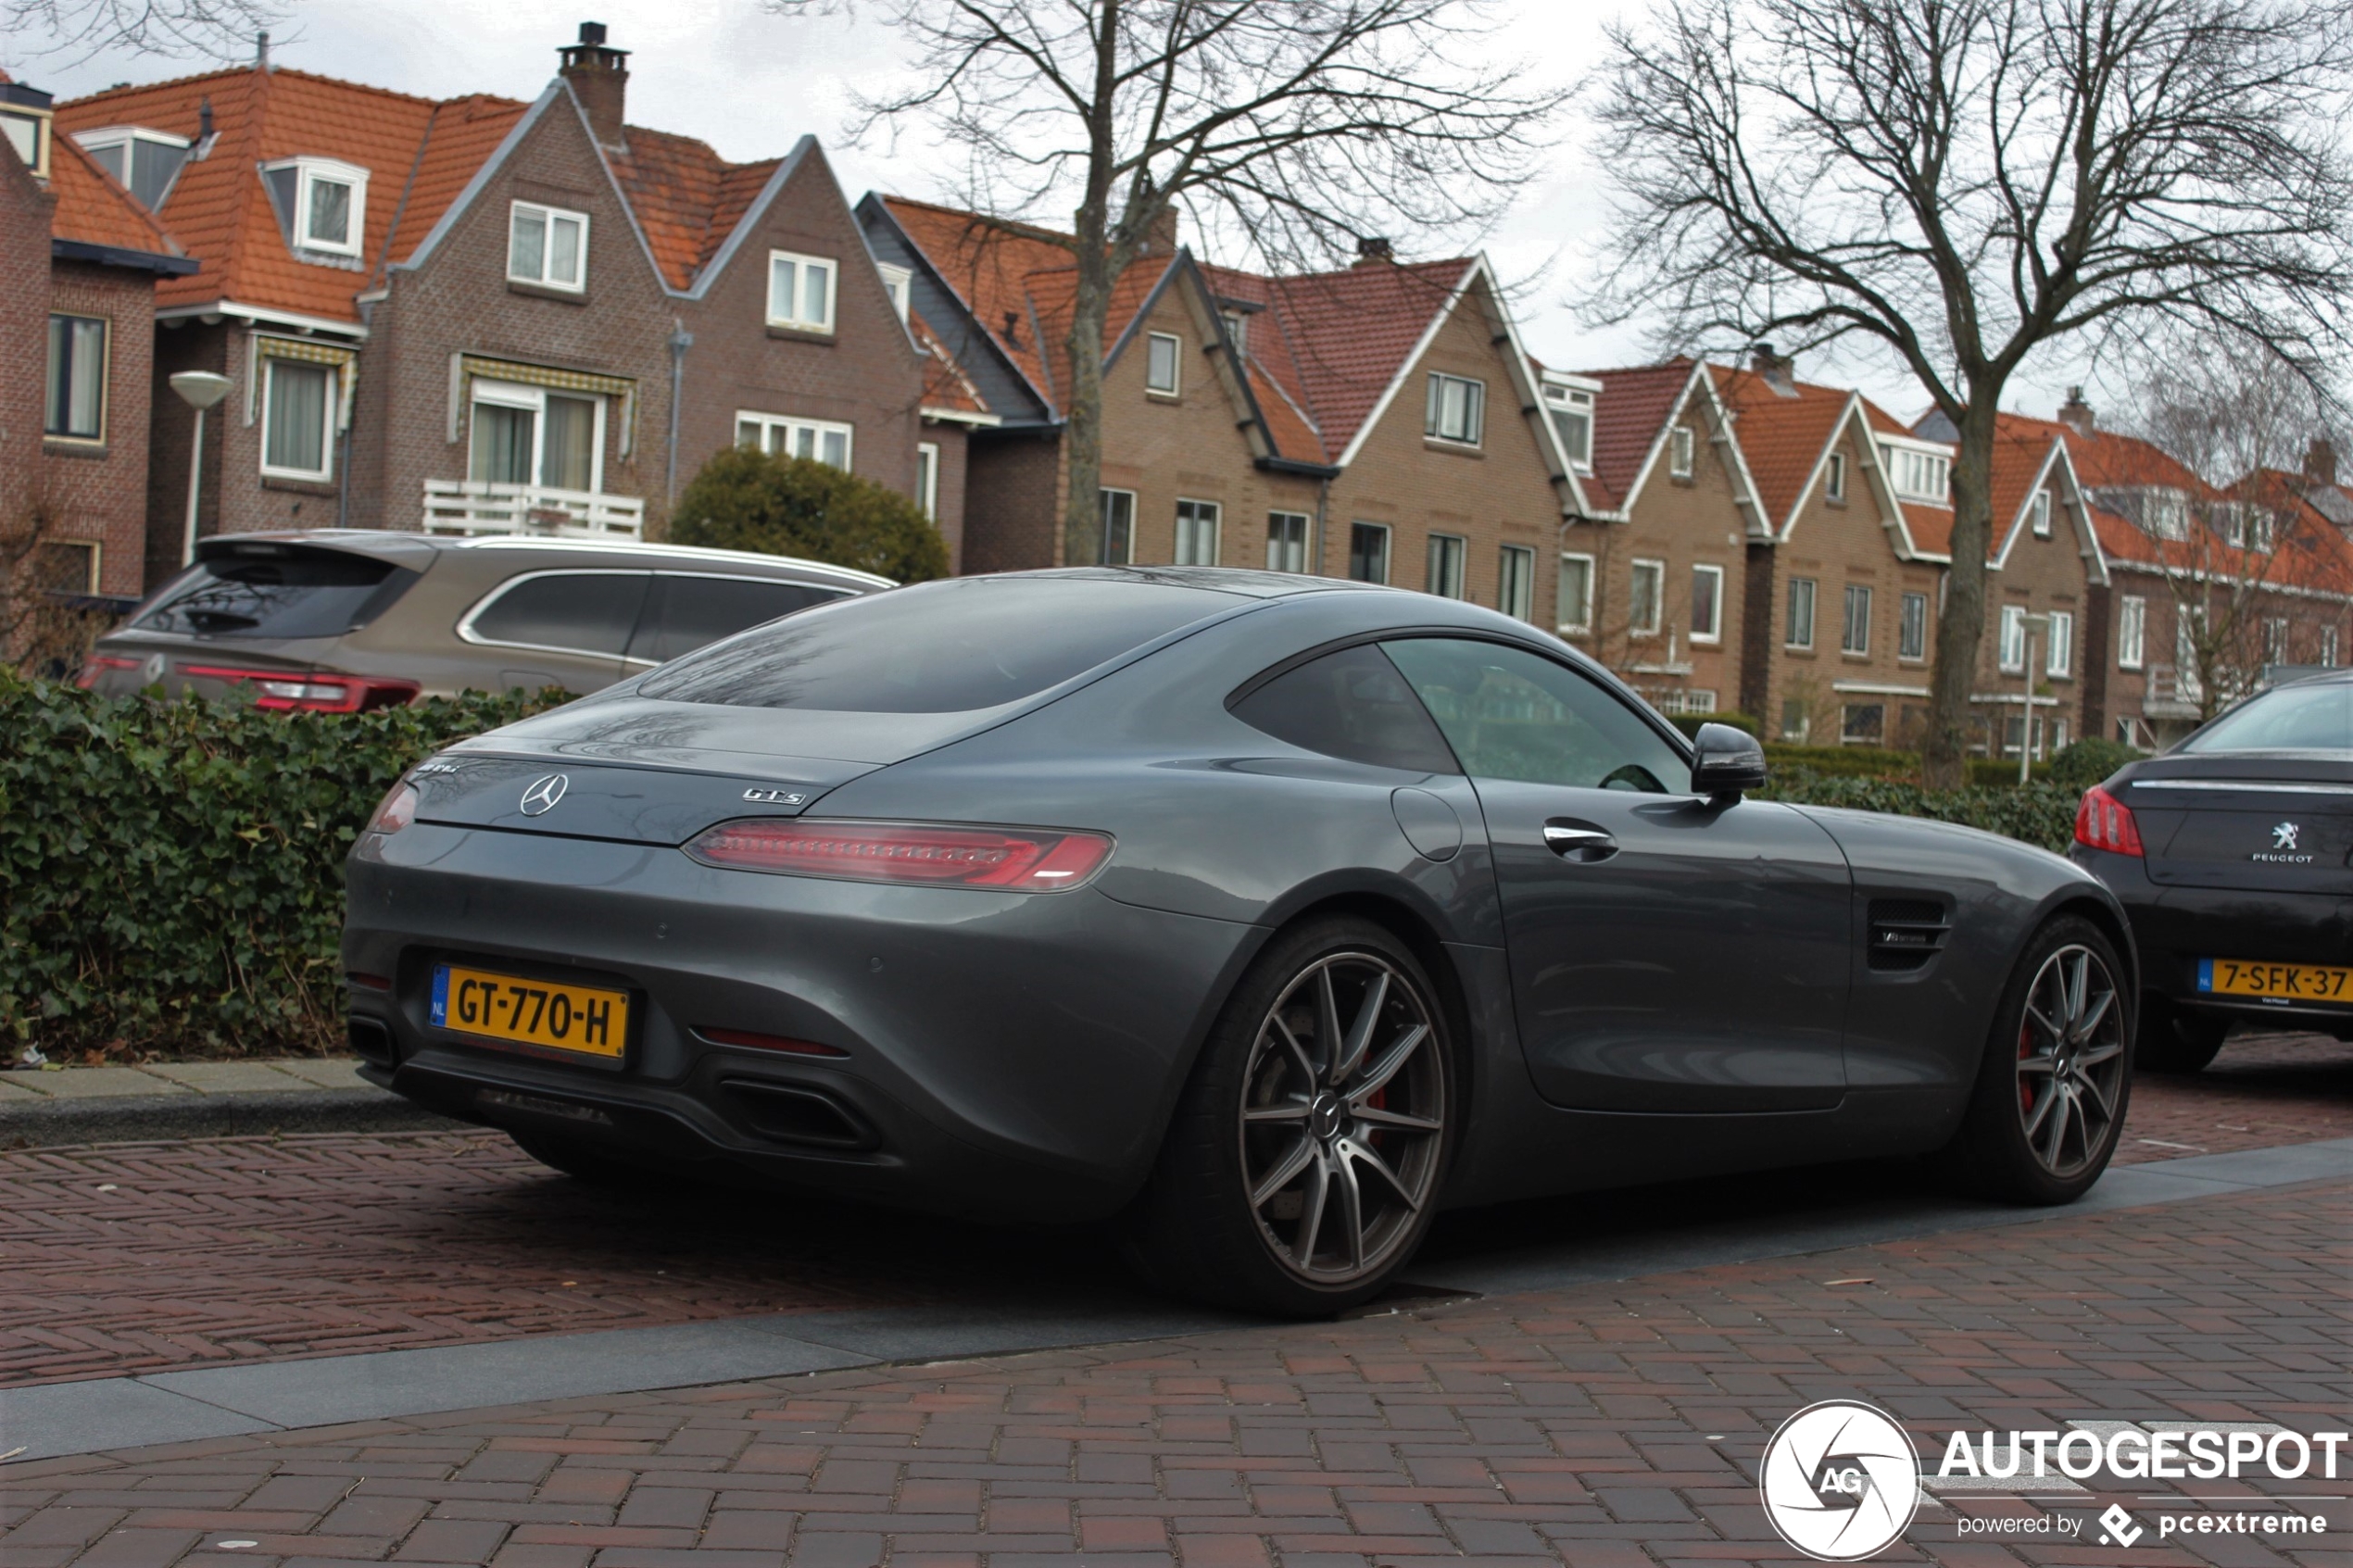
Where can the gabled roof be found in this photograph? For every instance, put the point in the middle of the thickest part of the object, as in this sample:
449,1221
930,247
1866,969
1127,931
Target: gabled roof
1629,413
94,210
1785,428
1352,333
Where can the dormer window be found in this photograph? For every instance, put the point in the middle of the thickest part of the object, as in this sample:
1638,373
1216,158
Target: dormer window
324,203
146,162
1237,330
1919,473
24,121
895,283
1568,402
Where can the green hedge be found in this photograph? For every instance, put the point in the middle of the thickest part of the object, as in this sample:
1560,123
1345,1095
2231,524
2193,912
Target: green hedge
172,872
2038,813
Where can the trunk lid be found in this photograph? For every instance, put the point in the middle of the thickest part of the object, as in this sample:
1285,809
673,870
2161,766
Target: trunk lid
2246,821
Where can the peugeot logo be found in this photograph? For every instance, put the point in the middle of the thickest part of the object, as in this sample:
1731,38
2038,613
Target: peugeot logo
2283,835
543,793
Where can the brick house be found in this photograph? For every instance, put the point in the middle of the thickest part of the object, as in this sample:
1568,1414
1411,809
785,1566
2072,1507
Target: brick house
481,315
1335,423
1654,565
79,264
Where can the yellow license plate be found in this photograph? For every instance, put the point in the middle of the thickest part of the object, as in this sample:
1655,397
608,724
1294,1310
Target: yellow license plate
2287,982
586,1019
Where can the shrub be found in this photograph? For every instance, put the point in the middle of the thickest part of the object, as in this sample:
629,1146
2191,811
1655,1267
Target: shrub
1845,761
2039,813
2001,773
745,499
2087,762
172,872
1689,723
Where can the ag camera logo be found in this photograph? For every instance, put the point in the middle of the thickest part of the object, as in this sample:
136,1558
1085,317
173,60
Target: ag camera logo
1841,1481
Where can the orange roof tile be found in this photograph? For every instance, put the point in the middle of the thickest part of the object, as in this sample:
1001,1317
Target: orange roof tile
1349,334
1629,413
94,208
987,264
1782,434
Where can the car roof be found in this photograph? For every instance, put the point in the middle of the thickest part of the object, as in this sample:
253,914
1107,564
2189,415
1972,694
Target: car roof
416,549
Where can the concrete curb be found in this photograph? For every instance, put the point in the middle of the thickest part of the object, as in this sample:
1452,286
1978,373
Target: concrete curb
151,1117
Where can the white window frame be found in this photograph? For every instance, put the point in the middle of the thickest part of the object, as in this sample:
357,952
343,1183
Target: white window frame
1307,526
1443,551
1835,477
2058,652
1575,618
2131,632
898,282
2011,653
2328,646
1176,386
331,414
1473,429
1657,572
927,478
2275,639
1713,631
1919,470
515,394
1575,398
2042,514
547,215
1813,596
1216,517
1682,453
790,425
1515,564
308,171
801,262
1904,605
1849,622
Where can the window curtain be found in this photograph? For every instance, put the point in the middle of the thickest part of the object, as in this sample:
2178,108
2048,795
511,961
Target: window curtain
569,462
297,437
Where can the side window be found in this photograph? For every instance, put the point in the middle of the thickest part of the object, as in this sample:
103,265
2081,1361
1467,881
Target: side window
590,612
684,613
1512,714
1351,705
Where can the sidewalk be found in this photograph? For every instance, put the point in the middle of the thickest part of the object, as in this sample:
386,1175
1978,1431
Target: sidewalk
77,1105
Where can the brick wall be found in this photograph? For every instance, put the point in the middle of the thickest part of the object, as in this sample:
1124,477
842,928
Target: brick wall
1012,500
2039,575
101,490
25,209
954,482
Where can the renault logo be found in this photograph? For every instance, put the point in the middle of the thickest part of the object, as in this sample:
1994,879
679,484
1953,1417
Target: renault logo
544,794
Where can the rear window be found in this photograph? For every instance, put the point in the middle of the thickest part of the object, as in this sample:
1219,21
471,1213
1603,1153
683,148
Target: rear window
2314,718
936,647
301,593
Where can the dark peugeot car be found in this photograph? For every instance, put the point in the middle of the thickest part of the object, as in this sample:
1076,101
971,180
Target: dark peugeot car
1267,913
340,621
2232,853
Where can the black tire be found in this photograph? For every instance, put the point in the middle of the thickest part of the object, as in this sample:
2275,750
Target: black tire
2172,1041
2042,1064
579,1162
1299,1047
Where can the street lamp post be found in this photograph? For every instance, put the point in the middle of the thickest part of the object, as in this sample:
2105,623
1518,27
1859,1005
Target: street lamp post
2033,624
200,390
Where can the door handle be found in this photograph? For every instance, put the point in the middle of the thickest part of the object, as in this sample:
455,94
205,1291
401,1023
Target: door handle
1582,846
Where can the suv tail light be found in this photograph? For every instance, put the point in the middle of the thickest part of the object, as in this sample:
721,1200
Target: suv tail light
97,664
2102,822
1019,860
312,694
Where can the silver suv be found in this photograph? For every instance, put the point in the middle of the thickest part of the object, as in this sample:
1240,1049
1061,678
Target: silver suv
344,619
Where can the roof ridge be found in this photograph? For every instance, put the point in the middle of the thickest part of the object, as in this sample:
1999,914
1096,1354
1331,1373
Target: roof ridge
227,73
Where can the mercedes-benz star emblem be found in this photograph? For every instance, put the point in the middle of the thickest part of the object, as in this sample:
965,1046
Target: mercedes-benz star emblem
543,793
1841,1481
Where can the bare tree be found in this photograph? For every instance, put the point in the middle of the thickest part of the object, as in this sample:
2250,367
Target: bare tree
1960,183
1299,126
77,29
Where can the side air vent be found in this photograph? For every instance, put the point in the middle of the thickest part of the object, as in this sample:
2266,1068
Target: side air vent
1906,932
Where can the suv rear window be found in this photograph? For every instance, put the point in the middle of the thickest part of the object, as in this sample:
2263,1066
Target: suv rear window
2299,718
590,612
298,593
687,612
936,647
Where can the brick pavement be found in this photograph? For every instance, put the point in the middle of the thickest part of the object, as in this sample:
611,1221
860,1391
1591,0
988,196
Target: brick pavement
1616,1425
135,1258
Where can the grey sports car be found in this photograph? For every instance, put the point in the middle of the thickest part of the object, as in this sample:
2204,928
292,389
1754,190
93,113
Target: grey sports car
1267,914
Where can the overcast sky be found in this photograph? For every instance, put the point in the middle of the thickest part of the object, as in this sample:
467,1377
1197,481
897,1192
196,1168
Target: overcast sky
749,83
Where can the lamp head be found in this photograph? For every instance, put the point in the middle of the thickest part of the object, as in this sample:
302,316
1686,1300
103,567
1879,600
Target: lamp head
200,389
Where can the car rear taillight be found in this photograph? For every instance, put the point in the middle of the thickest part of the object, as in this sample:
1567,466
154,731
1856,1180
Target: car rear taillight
2102,822
767,1042
1018,859
396,811
97,664
312,694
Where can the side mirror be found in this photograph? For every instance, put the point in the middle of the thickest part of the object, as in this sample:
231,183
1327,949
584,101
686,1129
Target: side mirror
1726,762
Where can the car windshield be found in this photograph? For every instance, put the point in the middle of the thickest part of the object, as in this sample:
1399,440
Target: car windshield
290,593
2317,717
936,647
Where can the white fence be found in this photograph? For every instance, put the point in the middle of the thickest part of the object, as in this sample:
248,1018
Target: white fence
465,506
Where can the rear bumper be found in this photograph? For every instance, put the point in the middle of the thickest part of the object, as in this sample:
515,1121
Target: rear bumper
2175,927
1008,1057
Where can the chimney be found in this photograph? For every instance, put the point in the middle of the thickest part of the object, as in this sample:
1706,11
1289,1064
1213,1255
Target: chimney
2320,460
1373,250
1012,328
599,78
2076,414
1777,371
1161,238
204,130
262,53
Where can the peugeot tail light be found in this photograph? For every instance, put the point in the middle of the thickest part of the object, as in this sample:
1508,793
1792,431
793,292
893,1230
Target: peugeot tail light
1017,859
396,811
95,667
2102,822
311,694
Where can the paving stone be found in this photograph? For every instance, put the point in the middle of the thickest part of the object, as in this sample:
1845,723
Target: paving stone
103,1082
229,1077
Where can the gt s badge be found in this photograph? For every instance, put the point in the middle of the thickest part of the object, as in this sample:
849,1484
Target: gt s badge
543,793
775,796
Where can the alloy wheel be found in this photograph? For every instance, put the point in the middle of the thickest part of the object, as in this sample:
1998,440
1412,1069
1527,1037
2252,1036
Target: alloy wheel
2070,1060
1344,1117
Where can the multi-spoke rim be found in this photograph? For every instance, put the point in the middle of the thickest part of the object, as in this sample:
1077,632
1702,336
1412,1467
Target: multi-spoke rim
1342,1118
2070,1060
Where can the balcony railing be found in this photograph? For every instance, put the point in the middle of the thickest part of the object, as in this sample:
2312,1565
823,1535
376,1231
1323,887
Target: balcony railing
468,506
2172,693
